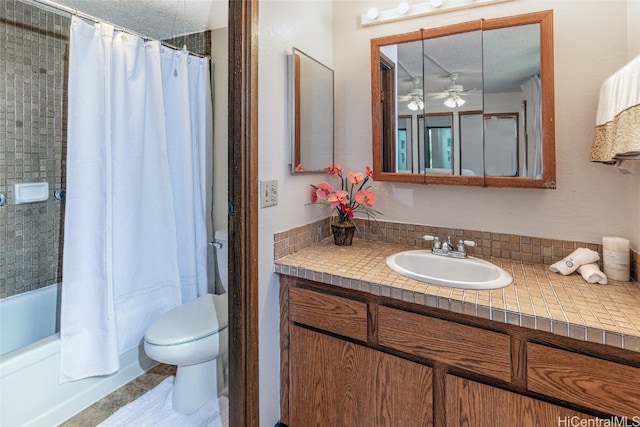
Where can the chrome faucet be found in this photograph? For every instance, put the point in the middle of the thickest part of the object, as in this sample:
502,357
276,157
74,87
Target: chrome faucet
446,248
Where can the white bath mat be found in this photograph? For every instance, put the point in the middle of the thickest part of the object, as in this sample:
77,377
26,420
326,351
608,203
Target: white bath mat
153,409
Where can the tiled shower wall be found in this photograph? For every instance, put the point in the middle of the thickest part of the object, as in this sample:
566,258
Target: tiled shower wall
33,92
199,43
33,103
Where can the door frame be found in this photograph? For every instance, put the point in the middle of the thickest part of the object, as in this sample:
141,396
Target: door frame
243,216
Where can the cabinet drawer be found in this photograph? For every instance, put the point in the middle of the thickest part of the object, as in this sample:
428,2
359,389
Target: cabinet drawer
473,349
606,386
328,312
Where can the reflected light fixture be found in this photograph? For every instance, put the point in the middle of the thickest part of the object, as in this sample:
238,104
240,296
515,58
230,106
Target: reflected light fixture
403,7
415,105
372,13
454,101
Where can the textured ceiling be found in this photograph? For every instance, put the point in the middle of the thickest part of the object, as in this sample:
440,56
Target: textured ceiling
494,61
159,19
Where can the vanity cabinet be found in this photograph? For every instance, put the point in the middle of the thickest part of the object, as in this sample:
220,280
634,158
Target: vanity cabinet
600,384
461,346
351,358
470,403
334,382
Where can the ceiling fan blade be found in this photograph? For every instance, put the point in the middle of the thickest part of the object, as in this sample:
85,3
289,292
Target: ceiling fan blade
437,95
471,92
402,98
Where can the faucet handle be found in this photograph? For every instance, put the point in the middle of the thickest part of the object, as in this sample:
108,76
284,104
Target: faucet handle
436,243
463,243
435,239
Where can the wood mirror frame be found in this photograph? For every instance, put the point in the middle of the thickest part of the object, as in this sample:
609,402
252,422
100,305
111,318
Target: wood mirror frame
311,113
383,103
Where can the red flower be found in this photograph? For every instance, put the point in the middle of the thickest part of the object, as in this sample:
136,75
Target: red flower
334,169
353,196
347,210
323,190
338,198
366,197
368,171
356,178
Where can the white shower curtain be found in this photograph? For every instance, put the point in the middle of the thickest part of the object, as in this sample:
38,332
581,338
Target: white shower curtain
135,239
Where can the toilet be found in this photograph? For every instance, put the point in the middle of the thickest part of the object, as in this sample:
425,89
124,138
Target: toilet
195,337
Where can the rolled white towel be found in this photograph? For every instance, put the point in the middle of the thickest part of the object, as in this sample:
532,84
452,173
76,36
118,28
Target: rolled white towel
575,259
592,274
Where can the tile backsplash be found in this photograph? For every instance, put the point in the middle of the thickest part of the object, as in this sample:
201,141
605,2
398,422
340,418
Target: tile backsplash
507,246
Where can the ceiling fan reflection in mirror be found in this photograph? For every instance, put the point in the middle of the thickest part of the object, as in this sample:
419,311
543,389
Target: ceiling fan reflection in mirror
453,93
414,97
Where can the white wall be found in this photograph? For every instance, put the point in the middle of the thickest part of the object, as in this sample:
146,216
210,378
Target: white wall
306,25
217,207
220,74
592,200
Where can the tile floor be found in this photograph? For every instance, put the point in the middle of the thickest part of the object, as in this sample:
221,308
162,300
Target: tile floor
101,410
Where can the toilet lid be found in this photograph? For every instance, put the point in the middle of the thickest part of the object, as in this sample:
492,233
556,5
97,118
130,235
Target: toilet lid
191,321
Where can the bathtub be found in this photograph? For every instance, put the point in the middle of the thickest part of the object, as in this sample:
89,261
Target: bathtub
29,391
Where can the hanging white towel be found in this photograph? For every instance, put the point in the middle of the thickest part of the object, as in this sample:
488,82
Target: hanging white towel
617,133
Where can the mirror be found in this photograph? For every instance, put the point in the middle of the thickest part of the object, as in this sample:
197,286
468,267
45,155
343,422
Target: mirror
311,113
466,104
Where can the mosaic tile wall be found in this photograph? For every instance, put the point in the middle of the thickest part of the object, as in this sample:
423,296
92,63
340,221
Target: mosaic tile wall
199,43
32,143
507,246
33,101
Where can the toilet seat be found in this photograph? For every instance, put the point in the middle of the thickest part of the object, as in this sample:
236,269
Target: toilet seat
194,320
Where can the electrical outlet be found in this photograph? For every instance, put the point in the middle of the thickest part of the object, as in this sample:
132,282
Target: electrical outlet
268,193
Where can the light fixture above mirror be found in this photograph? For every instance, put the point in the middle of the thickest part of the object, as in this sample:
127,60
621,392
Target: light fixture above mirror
406,10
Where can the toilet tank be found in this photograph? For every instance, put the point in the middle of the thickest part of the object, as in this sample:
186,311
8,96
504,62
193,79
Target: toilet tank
222,256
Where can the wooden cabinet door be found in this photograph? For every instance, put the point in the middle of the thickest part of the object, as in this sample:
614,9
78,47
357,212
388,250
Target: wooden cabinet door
472,404
605,386
467,347
339,383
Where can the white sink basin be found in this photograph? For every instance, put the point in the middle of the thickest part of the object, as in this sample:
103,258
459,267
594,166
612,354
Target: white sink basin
465,273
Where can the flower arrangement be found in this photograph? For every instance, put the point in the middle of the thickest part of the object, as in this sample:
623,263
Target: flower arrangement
352,197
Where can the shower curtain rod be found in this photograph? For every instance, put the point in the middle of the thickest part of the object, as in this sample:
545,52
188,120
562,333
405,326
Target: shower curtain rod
68,12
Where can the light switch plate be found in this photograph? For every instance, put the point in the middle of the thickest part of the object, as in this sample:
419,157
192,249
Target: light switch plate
268,193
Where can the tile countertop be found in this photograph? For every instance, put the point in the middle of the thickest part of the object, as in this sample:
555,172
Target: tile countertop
537,299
